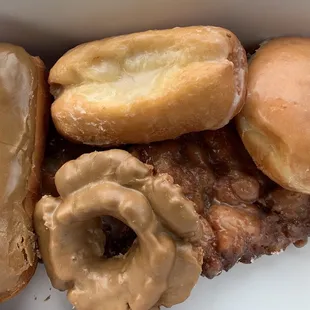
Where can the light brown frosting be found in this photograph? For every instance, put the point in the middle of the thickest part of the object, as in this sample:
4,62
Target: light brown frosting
21,149
163,264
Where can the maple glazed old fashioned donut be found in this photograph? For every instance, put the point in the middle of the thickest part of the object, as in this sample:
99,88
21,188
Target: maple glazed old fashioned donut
149,86
164,262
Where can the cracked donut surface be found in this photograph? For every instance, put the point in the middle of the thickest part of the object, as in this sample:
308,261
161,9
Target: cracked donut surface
149,86
164,262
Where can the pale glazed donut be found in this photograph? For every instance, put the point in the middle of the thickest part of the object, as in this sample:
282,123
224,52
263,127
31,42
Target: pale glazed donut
275,122
163,264
149,86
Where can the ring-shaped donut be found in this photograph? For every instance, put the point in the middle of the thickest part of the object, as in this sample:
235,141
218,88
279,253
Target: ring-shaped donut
162,265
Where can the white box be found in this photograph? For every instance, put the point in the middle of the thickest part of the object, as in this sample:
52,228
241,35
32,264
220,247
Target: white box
48,28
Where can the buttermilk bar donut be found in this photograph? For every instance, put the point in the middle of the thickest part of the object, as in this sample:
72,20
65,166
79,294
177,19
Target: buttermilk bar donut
23,118
163,264
149,86
275,122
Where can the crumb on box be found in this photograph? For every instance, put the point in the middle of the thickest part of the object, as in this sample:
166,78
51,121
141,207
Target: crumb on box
47,298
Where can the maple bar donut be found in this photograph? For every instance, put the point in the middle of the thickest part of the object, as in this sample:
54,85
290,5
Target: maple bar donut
23,113
164,262
149,86
275,122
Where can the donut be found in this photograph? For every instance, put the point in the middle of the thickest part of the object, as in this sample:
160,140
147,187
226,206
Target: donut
149,86
23,118
164,262
275,122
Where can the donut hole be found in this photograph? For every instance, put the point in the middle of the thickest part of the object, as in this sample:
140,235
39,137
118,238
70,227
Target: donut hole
119,236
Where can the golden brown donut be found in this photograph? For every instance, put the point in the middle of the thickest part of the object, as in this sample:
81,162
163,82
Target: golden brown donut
275,122
162,265
23,120
149,86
